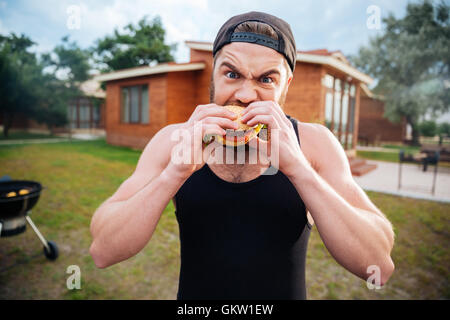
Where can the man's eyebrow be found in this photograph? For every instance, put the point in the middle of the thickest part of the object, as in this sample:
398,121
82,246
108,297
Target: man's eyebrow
234,69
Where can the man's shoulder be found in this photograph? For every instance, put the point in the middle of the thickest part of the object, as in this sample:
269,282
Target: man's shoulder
170,128
163,138
312,136
312,133
310,126
164,134
160,145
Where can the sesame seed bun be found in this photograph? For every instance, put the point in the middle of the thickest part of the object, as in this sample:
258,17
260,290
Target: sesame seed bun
243,134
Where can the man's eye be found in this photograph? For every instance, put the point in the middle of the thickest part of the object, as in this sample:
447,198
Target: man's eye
232,75
266,80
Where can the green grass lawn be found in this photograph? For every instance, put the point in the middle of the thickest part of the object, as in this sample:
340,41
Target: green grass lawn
392,156
408,149
79,176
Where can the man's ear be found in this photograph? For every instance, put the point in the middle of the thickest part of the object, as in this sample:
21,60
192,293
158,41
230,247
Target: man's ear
289,81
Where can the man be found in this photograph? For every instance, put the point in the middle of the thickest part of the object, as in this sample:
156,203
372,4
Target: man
244,232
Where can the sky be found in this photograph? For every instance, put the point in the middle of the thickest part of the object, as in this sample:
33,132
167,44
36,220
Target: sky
334,25
344,25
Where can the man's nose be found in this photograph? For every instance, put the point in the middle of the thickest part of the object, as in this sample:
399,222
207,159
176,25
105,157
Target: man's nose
247,92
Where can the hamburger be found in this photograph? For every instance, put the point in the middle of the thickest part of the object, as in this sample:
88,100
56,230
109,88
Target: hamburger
240,136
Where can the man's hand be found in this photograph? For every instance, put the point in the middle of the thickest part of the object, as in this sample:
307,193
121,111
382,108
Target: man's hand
281,132
209,119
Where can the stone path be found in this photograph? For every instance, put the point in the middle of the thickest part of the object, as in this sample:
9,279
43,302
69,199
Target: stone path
414,182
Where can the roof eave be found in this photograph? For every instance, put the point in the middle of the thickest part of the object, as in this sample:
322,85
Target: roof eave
144,71
336,64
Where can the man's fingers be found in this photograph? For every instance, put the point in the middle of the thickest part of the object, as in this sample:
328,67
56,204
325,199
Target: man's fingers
268,119
212,129
222,122
214,111
265,107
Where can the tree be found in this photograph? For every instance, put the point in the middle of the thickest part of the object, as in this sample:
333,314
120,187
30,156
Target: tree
410,60
70,59
67,67
138,45
31,87
53,98
428,128
444,129
19,78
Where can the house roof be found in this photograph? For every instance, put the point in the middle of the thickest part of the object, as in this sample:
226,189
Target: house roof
324,52
366,92
333,59
147,70
91,88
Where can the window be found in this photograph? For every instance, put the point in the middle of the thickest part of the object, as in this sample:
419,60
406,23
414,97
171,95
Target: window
72,112
84,113
96,115
328,109
344,113
337,106
134,104
351,116
328,83
340,108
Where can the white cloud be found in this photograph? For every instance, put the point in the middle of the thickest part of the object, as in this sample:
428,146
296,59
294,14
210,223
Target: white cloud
3,30
315,23
199,4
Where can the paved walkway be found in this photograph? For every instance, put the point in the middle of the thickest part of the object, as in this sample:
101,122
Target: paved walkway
28,141
414,183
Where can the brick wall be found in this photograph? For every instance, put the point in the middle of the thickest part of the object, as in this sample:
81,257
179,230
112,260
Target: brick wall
374,127
305,97
136,135
204,76
181,99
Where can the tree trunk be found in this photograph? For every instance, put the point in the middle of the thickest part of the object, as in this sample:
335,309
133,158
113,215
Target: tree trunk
7,122
415,131
415,136
52,129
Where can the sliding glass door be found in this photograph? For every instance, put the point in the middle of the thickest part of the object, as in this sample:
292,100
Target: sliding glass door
83,114
340,108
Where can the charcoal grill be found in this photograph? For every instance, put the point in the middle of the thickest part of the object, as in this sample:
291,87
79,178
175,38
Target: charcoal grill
15,212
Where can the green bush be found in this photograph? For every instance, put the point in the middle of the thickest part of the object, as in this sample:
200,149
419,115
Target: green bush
428,128
444,129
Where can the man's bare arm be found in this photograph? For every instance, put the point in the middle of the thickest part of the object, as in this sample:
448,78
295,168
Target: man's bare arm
125,222
353,229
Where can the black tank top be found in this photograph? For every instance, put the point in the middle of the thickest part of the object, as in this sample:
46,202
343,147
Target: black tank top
241,240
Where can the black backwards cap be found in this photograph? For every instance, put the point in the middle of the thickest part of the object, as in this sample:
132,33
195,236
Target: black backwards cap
284,45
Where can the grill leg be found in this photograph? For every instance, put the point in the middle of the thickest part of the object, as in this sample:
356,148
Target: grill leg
44,242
